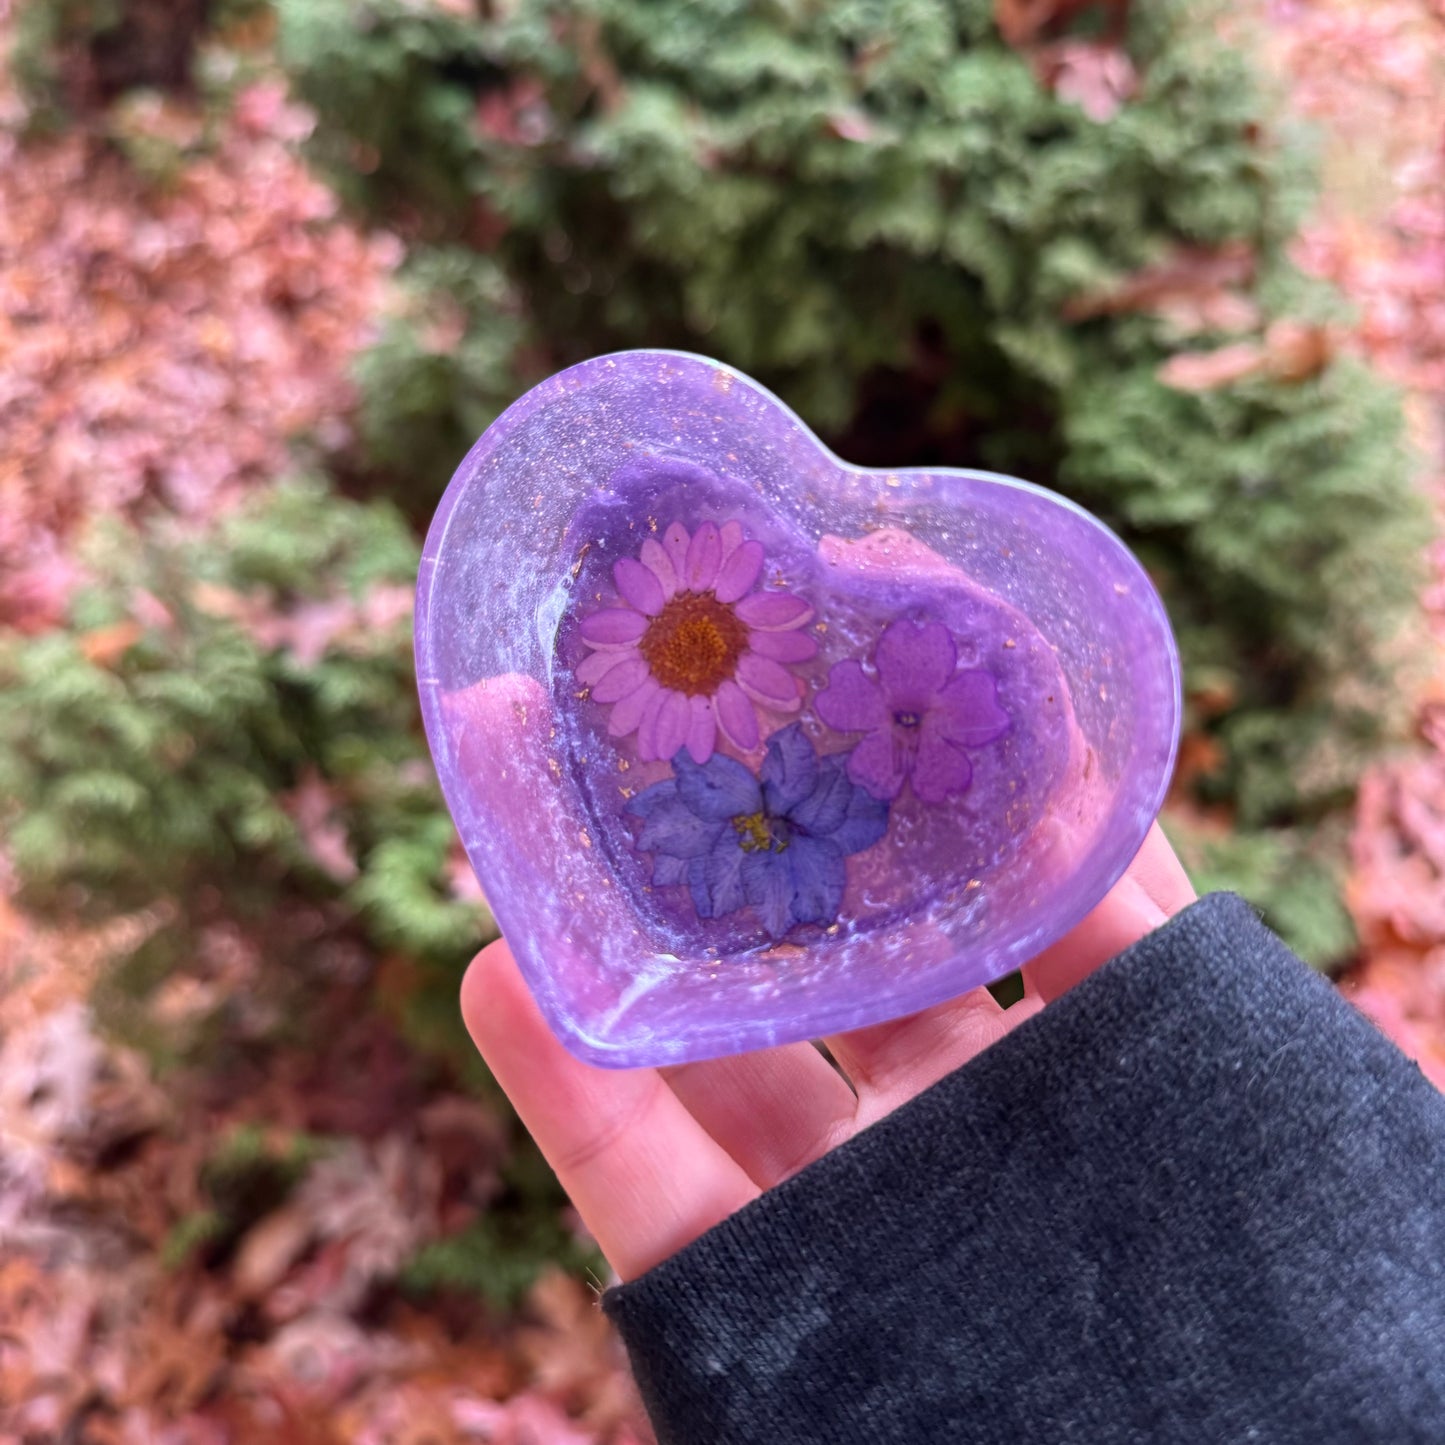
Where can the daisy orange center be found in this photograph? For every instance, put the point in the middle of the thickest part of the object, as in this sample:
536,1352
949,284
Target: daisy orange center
694,643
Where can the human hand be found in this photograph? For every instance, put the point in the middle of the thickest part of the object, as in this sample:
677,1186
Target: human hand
653,1158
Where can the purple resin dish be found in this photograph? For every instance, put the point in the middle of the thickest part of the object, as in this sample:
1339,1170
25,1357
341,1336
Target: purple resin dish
747,745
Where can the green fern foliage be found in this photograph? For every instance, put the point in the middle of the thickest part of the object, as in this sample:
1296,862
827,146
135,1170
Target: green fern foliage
228,734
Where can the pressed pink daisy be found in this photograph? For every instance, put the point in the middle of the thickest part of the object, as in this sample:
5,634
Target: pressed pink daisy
690,649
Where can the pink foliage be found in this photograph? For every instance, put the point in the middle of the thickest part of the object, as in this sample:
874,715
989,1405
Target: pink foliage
100,1166
1405,997
1373,73
1290,351
1096,78
165,343
311,629
522,1420
1398,853
314,808
1380,68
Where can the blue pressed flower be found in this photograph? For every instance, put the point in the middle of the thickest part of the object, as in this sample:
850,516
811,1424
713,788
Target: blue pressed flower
775,842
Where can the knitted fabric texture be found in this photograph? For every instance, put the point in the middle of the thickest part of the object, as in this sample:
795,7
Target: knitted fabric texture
1198,1199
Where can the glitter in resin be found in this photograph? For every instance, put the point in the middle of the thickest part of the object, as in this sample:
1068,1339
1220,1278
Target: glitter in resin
747,745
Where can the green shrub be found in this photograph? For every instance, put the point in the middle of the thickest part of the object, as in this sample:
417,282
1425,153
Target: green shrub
878,209
227,737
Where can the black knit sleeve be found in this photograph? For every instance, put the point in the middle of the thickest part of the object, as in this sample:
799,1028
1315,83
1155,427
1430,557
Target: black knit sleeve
1198,1199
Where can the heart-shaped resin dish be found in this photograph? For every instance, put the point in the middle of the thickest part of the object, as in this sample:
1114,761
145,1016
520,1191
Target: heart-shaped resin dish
747,745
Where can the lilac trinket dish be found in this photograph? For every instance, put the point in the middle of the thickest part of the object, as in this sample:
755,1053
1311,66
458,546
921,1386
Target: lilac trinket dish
747,745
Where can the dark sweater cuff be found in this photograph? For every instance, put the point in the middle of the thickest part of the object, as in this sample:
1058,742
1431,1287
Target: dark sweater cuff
1199,1198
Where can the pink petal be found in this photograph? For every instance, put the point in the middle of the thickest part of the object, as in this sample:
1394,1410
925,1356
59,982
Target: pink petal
967,711
704,557
737,575
914,662
647,728
655,559
774,611
701,730
628,713
613,627
767,681
731,534
939,769
735,716
627,677
638,585
673,724
675,542
784,646
877,765
596,665
852,702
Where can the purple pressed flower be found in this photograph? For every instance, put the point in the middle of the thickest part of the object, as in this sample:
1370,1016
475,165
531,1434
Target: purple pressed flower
690,649
919,713
775,842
